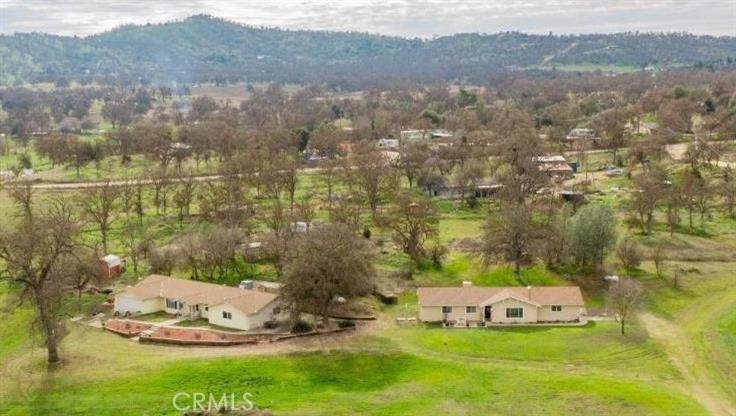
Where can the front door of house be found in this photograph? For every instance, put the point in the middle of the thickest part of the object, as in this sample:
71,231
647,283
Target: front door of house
487,313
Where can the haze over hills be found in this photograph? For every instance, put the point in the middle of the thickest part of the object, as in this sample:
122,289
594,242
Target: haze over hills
207,49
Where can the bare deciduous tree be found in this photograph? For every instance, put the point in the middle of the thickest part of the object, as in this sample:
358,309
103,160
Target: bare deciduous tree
644,200
413,223
163,260
99,204
347,212
22,196
411,159
510,235
136,243
658,258
33,255
185,192
161,182
624,297
371,173
729,191
330,175
629,253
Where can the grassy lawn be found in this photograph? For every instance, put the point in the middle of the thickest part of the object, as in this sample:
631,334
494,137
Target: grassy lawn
397,372
366,384
15,322
154,317
593,347
391,371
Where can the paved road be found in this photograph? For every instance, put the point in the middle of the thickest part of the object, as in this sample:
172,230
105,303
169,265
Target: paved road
129,182
676,151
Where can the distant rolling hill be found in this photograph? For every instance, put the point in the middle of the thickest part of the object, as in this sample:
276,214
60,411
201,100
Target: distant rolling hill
206,49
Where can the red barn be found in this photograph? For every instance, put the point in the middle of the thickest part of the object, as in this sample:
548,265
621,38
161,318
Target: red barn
111,266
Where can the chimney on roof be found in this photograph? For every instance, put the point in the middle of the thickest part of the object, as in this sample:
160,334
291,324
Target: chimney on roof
529,291
467,283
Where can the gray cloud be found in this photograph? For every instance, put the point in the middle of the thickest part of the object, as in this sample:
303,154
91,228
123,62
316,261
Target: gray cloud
396,17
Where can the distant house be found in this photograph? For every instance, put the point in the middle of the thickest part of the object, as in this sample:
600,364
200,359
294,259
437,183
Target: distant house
111,266
479,306
261,286
300,226
482,190
388,144
643,127
581,134
441,134
345,147
556,167
416,135
180,147
226,306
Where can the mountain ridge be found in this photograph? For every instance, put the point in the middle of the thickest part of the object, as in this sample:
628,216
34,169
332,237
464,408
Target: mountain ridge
203,48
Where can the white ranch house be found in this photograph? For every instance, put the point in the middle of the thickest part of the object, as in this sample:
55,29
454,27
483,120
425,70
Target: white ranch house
226,306
480,306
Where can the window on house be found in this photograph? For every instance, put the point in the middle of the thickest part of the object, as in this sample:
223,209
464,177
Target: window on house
556,308
227,315
206,308
447,309
470,309
171,304
276,310
514,312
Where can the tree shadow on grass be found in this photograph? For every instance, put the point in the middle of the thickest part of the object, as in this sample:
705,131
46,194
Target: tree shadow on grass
353,372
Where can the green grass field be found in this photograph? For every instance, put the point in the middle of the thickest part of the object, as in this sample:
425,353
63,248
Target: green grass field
398,371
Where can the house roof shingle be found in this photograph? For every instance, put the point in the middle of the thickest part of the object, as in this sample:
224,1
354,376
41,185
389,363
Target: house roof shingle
546,295
193,292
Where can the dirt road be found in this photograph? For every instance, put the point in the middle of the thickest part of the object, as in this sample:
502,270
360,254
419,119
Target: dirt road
677,152
678,347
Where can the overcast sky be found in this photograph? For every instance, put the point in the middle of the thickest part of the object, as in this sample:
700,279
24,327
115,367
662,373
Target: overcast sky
395,17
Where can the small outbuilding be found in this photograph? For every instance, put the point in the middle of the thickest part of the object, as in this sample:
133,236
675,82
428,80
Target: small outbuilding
556,167
111,266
